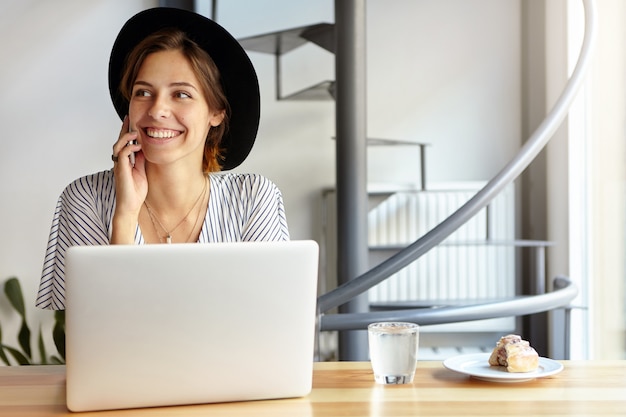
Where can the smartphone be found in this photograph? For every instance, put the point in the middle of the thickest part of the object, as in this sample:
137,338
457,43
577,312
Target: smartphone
132,142
132,154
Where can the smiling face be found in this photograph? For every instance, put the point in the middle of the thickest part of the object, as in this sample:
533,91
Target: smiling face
169,110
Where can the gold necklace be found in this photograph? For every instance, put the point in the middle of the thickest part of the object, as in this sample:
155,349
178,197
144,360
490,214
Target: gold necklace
195,224
168,234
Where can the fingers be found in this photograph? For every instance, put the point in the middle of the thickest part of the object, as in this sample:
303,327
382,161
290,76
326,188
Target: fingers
126,144
125,125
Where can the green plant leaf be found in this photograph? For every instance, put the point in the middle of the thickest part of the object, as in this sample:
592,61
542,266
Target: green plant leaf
13,291
54,360
23,338
42,348
19,357
59,317
58,332
3,355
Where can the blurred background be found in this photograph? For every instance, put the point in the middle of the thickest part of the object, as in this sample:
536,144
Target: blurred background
471,78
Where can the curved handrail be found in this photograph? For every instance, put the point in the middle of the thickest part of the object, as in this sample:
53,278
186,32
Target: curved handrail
565,291
508,174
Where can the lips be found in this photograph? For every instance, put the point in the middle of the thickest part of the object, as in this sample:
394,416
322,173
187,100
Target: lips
162,133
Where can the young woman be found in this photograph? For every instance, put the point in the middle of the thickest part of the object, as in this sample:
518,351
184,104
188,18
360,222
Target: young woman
189,100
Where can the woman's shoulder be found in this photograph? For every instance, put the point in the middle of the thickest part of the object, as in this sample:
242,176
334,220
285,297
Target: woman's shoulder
240,179
95,178
97,182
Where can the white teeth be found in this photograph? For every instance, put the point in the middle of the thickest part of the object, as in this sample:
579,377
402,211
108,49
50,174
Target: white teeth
161,134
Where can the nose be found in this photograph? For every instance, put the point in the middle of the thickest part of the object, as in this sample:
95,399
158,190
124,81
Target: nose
160,108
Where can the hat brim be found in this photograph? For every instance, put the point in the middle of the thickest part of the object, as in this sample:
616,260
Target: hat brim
238,76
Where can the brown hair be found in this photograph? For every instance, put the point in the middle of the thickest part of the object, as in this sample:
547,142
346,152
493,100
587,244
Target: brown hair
206,72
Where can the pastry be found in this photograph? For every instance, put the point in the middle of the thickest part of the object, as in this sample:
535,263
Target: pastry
514,353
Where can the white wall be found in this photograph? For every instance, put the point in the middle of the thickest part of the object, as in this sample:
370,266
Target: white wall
608,185
445,72
57,120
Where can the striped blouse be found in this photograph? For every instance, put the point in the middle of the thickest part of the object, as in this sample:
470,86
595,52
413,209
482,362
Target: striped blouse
242,207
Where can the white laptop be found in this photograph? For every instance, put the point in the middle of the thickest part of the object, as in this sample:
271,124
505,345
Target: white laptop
157,325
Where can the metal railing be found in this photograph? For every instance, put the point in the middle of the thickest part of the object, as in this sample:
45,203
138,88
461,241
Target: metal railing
565,290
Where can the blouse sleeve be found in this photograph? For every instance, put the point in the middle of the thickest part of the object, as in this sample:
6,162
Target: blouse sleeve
265,219
79,219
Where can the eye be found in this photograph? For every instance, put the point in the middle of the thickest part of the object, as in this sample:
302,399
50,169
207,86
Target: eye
141,93
182,94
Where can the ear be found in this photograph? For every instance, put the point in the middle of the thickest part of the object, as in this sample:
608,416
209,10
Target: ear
217,118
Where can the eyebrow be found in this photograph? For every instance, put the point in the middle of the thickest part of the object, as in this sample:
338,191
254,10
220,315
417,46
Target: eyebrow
174,84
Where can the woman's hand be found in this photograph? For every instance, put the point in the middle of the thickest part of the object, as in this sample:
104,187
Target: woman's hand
131,185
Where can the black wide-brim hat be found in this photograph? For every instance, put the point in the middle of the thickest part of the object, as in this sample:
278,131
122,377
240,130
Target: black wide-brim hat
239,79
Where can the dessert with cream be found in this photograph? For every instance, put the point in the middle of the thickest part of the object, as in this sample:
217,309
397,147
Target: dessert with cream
515,354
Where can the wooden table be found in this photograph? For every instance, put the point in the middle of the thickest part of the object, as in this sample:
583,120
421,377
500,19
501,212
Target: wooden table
583,388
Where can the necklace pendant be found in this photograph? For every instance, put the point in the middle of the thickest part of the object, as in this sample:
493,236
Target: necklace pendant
168,239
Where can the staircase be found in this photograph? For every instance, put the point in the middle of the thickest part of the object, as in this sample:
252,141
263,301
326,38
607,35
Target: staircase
390,296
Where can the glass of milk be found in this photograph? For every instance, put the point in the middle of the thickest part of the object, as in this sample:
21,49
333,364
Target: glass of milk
393,351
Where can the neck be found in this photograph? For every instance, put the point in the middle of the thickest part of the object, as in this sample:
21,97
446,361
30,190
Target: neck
171,193
184,228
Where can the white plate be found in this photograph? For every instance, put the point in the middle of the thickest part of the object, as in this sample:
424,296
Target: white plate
477,365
